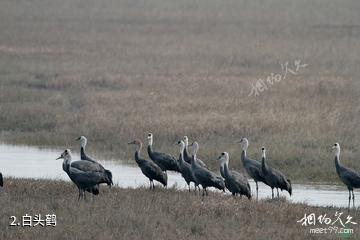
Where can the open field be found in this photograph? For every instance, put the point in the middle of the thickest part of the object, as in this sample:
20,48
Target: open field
115,69
160,214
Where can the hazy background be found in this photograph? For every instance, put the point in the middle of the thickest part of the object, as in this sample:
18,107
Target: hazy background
113,70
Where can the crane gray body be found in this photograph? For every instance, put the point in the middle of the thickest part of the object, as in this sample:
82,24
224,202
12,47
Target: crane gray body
203,176
253,169
274,178
150,169
348,176
185,168
165,161
236,182
84,177
94,165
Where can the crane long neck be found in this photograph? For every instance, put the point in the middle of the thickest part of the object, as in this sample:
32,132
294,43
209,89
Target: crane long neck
137,152
150,149
66,164
337,162
150,141
185,152
243,155
245,147
181,158
82,152
222,170
193,160
264,166
226,167
182,149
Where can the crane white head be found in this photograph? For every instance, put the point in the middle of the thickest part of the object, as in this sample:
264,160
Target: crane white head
182,146
150,139
83,141
186,140
66,155
336,148
263,150
195,148
137,143
245,143
224,158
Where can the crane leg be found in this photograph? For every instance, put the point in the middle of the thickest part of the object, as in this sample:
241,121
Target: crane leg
277,192
189,186
349,199
353,198
257,190
203,195
272,193
80,194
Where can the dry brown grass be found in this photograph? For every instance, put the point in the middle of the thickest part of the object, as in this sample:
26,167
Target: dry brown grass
144,214
113,70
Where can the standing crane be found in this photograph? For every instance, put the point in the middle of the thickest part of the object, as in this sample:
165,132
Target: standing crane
253,167
165,161
203,176
274,178
347,175
234,181
94,164
187,156
81,175
185,168
150,169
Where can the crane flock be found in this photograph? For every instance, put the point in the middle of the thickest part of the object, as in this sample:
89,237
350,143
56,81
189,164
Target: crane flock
87,174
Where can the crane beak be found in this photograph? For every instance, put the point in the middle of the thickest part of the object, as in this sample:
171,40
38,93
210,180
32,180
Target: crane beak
61,156
77,139
133,142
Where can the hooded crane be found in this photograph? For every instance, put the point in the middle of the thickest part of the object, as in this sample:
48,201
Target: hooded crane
234,181
347,175
95,165
253,167
1,180
150,169
163,160
84,179
273,177
203,176
187,156
184,167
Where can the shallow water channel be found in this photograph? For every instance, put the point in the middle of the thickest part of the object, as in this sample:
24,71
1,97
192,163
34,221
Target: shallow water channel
38,163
